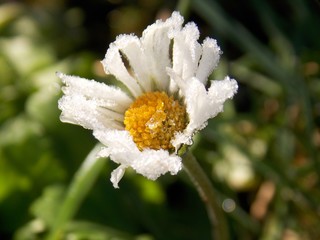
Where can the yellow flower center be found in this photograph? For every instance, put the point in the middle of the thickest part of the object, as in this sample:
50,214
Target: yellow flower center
153,119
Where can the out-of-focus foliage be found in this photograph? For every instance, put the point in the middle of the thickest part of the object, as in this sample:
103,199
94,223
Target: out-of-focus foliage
262,153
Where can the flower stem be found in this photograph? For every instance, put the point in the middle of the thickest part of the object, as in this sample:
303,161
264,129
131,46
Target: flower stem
208,196
78,189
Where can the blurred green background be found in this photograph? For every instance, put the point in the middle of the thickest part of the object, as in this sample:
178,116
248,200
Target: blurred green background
262,153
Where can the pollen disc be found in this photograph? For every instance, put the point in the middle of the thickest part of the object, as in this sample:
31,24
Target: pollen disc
153,119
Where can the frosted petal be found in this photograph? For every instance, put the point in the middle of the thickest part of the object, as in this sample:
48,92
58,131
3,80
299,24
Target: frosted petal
109,97
117,175
131,47
77,109
201,105
113,63
209,59
186,51
222,90
117,143
154,163
122,150
156,44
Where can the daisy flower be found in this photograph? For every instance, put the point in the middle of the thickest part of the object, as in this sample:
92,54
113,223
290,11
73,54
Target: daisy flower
165,100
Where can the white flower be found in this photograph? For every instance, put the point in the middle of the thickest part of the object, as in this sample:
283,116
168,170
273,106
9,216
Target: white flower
165,72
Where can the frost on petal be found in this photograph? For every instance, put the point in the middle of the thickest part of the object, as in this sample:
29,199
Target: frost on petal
140,63
220,91
181,138
114,64
201,104
156,44
154,163
119,146
130,46
122,150
209,59
110,97
186,51
76,109
91,104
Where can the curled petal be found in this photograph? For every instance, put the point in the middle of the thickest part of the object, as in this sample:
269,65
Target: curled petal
132,48
222,90
113,63
117,175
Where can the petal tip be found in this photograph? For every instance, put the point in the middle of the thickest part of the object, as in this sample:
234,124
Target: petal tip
60,75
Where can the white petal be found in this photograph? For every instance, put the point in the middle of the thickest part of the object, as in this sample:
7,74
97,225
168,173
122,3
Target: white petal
118,144
91,104
156,44
109,97
113,64
207,104
108,114
154,163
186,51
131,47
222,90
77,109
149,163
117,175
209,59
181,138
201,104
